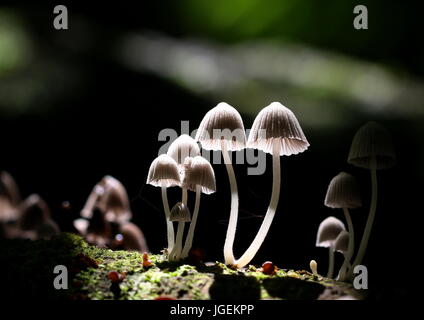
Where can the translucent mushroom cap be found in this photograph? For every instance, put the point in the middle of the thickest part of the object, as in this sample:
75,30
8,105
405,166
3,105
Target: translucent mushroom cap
343,192
180,212
114,201
342,242
328,231
277,122
164,172
372,140
182,147
222,123
34,211
10,197
199,172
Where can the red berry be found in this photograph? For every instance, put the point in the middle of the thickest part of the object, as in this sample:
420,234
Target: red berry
114,276
268,268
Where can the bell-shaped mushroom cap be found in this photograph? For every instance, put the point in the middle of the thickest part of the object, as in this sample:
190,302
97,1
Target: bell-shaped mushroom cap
199,172
343,192
328,231
342,242
34,211
9,197
114,201
372,141
81,225
277,122
182,147
222,123
133,238
164,172
180,212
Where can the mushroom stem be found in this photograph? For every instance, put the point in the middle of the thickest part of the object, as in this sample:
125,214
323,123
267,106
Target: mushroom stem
176,252
330,262
370,220
232,224
351,246
190,234
266,223
169,225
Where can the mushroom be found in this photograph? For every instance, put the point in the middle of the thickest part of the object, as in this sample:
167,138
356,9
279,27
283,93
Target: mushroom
98,231
10,198
371,149
342,245
199,177
343,192
163,173
110,196
180,213
132,238
222,129
275,130
327,234
314,267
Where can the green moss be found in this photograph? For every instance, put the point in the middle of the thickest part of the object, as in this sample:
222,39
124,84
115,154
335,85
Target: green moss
28,266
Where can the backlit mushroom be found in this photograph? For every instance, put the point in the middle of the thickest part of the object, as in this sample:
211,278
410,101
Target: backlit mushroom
10,198
371,149
163,173
277,131
181,214
327,234
342,245
222,129
200,178
343,192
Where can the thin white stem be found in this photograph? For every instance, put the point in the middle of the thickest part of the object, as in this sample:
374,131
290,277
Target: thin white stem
351,246
343,269
190,235
330,263
373,206
175,254
169,225
266,223
232,224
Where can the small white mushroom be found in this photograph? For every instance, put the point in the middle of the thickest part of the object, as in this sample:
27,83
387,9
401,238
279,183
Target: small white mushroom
163,173
181,214
314,267
222,129
328,231
343,192
277,131
372,149
200,178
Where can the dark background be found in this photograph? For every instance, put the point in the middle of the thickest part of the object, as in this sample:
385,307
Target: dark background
77,104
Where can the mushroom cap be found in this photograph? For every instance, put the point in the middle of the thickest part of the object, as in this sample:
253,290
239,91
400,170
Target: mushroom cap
199,172
164,172
343,192
133,237
277,122
114,201
222,123
81,225
342,242
182,147
180,212
34,211
328,231
372,140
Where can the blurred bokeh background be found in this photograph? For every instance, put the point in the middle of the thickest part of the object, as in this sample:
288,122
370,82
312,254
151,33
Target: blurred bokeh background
81,103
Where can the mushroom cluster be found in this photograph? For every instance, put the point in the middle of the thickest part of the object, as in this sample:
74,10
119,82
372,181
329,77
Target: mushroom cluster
371,149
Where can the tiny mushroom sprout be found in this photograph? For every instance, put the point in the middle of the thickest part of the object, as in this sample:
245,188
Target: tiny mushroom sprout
222,129
110,197
199,177
314,267
164,173
327,234
343,192
277,131
342,245
181,214
371,149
